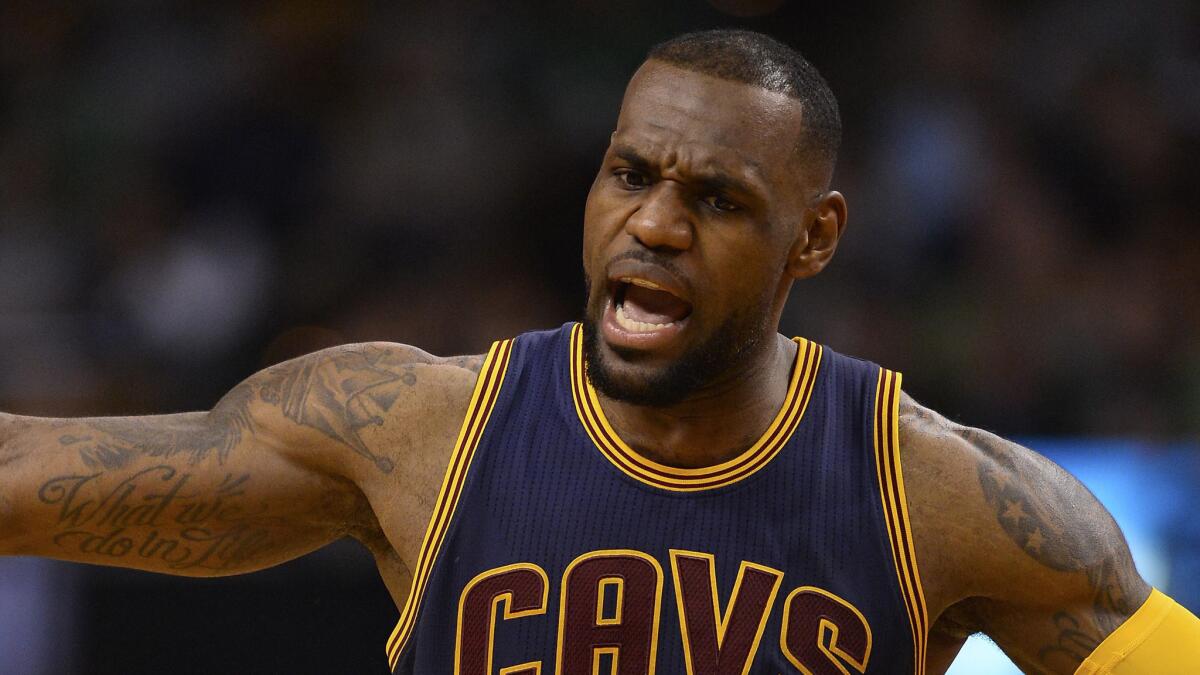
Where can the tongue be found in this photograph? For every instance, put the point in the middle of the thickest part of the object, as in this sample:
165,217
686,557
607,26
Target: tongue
651,306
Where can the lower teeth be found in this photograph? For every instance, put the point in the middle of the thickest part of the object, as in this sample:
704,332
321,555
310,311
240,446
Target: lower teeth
636,326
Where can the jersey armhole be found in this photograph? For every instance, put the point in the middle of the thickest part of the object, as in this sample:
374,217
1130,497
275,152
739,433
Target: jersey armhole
895,509
479,410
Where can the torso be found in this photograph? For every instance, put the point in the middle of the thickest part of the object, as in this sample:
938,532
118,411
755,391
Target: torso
793,551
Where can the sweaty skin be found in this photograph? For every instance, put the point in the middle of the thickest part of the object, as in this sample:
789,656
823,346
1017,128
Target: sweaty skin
704,188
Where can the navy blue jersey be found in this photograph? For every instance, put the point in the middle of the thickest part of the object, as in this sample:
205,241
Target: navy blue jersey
555,548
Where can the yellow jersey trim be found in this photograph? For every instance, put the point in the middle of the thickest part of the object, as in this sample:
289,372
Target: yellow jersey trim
895,510
616,451
479,411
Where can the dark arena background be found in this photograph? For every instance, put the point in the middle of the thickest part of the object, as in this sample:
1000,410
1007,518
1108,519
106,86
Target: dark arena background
192,191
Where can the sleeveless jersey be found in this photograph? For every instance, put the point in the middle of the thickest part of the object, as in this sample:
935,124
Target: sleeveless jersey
556,548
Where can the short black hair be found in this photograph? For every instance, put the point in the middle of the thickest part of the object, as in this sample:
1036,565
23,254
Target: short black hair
760,60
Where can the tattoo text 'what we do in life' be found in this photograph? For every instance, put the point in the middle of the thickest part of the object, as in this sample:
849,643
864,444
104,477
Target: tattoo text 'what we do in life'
152,514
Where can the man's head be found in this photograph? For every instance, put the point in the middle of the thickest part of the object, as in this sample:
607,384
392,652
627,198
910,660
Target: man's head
712,199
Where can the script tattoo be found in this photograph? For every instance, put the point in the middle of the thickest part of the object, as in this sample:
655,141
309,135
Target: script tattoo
350,390
121,440
153,515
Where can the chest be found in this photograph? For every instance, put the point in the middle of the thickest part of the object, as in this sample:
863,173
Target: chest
553,545
553,554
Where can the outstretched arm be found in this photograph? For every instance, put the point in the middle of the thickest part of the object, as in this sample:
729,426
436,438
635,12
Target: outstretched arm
1014,547
282,465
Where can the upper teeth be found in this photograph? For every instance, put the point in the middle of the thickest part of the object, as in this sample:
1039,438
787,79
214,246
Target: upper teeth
643,283
634,326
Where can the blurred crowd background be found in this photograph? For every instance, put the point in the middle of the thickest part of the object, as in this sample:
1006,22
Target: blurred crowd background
192,191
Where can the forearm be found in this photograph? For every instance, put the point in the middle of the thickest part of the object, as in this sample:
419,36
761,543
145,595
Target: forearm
67,481
10,428
195,494
14,449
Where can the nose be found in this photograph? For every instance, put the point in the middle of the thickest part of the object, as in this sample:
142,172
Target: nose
662,220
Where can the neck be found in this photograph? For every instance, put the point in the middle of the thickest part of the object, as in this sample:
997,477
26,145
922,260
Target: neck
717,422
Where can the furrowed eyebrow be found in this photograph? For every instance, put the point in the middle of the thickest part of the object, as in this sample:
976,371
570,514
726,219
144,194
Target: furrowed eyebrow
716,181
631,156
720,182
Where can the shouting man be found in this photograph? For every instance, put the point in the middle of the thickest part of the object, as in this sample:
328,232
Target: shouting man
669,486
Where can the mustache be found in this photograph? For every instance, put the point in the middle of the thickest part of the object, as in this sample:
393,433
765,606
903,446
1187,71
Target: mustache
650,258
642,256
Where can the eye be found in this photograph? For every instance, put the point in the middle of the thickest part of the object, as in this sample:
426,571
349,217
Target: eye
719,203
630,178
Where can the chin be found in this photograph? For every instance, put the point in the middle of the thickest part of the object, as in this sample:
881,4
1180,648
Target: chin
627,375
633,377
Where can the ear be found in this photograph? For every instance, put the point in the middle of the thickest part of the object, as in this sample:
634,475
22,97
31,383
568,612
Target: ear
822,229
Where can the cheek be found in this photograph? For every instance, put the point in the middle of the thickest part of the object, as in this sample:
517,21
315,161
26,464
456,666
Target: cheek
601,222
589,230
750,275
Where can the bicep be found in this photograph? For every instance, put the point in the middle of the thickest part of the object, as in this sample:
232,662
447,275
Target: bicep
1044,570
1078,581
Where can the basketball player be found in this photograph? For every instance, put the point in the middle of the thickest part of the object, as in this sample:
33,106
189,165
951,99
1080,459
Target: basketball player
669,487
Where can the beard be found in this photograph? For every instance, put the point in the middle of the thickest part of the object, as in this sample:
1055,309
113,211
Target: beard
728,347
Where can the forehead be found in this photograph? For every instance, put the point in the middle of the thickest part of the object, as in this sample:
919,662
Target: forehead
667,109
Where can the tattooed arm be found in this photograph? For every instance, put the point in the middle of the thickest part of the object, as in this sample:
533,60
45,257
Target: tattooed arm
288,461
1012,546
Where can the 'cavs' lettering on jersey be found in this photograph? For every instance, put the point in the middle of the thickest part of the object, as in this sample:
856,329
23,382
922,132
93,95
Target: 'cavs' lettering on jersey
821,632
521,589
556,548
714,642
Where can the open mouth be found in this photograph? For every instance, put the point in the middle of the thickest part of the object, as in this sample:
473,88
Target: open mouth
642,306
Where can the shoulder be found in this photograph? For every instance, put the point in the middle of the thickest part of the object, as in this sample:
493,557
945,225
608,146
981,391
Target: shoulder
383,401
350,369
